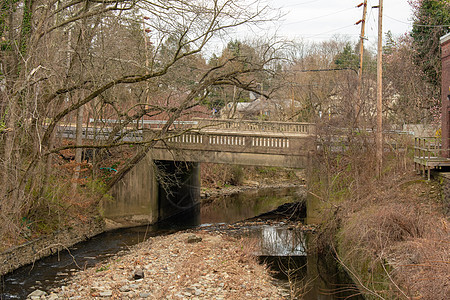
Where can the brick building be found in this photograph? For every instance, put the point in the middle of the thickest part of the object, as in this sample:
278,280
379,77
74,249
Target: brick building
445,94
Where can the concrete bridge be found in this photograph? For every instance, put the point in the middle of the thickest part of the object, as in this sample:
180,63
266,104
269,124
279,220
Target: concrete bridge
167,180
278,144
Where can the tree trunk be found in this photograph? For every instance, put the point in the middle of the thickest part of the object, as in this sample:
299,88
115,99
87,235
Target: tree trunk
78,142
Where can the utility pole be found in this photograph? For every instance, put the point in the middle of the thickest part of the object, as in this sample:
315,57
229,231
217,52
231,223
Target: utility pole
361,55
146,42
379,137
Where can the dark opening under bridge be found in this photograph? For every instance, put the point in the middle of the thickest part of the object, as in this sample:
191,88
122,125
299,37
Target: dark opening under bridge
140,197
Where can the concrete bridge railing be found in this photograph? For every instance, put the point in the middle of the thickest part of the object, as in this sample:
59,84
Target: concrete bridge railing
257,126
244,142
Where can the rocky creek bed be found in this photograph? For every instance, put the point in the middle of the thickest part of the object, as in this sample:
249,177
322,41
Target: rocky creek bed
184,265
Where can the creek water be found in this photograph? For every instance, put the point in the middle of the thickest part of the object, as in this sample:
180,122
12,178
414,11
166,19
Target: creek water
283,248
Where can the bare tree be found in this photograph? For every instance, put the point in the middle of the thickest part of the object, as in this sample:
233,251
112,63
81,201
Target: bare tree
122,60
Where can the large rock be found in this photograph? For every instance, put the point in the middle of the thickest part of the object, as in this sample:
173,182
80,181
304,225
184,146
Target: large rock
37,294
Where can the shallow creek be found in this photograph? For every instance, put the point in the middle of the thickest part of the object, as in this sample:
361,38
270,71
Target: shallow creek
283,247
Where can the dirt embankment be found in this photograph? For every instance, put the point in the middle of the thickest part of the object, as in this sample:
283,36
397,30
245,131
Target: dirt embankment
395,239
222,180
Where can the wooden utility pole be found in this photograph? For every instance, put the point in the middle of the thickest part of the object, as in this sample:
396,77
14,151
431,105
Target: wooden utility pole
147,85
379,137
361,55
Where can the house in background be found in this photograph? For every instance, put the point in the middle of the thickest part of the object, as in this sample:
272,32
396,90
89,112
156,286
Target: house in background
261,108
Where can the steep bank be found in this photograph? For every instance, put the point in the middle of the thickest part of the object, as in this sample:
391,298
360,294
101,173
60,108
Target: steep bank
394,237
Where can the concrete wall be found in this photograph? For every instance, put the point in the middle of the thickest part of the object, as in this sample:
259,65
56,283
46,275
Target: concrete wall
235,158
135,196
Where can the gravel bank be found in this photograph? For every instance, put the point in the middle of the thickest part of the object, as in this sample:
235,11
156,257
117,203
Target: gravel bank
179,266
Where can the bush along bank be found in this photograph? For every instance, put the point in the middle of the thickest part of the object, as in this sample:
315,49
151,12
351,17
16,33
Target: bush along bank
391,235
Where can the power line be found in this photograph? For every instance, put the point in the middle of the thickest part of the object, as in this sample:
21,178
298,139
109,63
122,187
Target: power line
334,30
322,70
319,17
415,24
300,4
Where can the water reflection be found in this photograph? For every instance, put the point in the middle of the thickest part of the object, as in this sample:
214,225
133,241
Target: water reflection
241,206
279,241
307,276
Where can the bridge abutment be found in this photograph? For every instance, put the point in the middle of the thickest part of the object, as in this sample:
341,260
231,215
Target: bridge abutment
167,182
135,197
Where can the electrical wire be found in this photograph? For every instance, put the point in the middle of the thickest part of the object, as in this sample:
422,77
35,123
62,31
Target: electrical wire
334,30
415,24
319,17
300,4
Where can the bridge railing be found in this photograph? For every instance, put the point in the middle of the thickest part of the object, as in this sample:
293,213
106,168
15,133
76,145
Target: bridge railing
240,142
222,124
259,126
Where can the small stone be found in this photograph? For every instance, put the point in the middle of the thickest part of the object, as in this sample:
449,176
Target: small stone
193,239
125,288
144,295
106,294
138,274
97,288
52,297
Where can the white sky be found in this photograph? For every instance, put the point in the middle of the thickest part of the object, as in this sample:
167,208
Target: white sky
320,20
317,20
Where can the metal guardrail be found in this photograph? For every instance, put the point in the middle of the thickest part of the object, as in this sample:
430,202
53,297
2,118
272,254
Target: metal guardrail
223,125
145,123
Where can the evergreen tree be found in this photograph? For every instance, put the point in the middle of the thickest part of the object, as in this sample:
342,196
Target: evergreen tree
347,58
431,22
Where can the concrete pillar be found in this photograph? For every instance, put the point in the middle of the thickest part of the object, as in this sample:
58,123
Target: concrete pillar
135,197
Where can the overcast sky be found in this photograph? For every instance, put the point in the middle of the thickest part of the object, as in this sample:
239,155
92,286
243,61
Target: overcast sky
321,19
